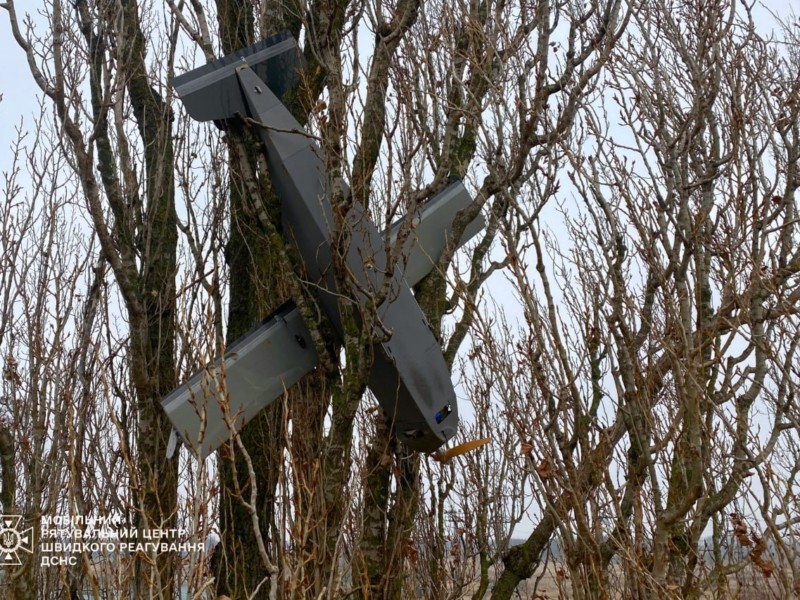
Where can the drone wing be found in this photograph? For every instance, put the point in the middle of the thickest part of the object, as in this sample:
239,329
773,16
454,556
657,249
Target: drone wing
217,401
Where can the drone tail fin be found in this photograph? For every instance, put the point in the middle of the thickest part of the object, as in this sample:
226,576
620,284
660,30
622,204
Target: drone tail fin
212,93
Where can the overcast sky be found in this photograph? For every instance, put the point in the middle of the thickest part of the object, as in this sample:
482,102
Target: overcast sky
19,92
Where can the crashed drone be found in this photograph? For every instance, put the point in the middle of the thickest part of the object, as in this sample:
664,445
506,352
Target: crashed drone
409,376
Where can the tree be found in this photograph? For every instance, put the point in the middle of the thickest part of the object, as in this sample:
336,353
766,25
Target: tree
673,342
624,329
138,238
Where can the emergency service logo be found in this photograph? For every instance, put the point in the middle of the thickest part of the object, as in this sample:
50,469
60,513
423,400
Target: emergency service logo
12,540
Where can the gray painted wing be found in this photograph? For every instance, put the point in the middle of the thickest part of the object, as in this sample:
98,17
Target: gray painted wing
252,354
255,371
425,243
